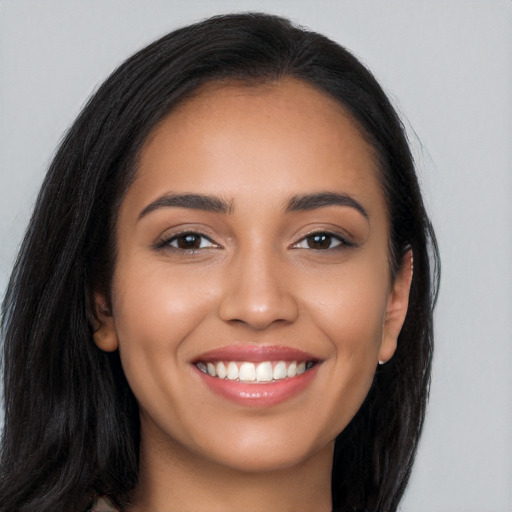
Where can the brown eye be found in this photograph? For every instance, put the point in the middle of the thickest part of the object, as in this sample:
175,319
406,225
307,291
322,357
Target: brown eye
190,242
320,241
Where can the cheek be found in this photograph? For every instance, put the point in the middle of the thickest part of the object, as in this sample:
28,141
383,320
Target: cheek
154,311
349,310
352,322
350,306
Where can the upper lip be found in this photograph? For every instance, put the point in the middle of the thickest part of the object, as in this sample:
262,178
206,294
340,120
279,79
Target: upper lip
256,354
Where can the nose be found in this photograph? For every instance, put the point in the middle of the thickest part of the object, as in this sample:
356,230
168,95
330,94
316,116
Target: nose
258,292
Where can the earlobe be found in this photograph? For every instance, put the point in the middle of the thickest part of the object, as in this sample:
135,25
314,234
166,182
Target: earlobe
396,309
104,334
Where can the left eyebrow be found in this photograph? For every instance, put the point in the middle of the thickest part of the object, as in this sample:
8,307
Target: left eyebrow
323,200
190,201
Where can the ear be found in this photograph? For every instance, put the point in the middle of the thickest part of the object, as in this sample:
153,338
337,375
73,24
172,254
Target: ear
105,335
396,308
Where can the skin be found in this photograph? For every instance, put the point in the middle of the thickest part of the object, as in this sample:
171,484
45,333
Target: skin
254,280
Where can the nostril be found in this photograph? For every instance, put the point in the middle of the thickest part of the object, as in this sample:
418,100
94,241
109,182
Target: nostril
258,312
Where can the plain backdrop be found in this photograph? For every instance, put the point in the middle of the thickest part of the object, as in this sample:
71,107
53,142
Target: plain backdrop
447,66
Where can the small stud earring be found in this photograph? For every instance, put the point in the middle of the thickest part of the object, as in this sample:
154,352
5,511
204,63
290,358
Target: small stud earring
381,362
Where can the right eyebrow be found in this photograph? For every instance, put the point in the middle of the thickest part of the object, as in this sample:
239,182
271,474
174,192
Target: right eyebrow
192,201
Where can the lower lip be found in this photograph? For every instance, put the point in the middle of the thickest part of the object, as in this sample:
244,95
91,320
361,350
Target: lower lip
259,394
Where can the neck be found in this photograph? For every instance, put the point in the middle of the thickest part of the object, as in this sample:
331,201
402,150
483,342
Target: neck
175,481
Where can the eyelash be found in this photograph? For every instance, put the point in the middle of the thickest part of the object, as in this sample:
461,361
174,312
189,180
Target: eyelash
327,237
167,243
341,241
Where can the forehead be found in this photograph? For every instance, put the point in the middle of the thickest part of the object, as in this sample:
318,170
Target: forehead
245,141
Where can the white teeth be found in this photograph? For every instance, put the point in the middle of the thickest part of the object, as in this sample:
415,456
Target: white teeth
247,372
211,369
264,372
232,371
280,371
251,372
221,370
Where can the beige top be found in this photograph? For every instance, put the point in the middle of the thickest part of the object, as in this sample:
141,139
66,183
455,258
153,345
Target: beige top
103,505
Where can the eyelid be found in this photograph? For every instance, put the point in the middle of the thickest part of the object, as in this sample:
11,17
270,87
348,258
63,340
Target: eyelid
165,242
343,240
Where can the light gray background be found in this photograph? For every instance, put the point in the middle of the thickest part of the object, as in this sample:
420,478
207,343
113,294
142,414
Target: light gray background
447,65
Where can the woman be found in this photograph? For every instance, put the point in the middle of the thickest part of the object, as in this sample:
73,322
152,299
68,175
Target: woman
215,305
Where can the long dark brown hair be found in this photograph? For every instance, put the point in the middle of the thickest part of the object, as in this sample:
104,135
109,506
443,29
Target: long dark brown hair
71,421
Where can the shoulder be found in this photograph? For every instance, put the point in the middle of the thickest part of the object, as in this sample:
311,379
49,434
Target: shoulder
103,505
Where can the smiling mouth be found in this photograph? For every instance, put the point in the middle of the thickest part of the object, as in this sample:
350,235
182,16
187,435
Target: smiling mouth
257,373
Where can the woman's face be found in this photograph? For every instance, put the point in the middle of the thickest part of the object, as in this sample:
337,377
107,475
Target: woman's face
251,296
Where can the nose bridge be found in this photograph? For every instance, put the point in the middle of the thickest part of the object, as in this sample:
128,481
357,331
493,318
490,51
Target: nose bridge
257,290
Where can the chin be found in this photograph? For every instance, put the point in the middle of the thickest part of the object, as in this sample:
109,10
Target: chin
256,460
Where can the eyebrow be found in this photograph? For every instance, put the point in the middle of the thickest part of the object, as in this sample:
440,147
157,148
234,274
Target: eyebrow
191,201
218,205
322,200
